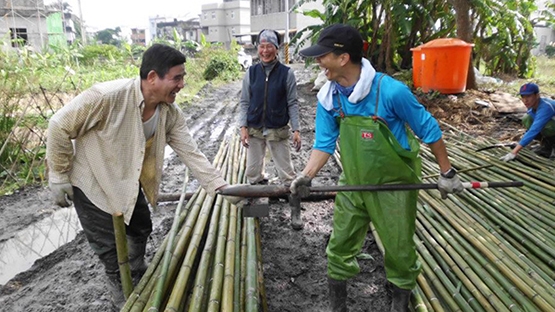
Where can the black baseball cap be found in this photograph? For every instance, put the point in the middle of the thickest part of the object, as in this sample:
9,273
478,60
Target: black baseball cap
337,37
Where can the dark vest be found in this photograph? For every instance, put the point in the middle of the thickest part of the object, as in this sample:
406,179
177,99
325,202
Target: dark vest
268,104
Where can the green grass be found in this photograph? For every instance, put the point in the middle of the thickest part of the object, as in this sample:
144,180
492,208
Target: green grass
545,75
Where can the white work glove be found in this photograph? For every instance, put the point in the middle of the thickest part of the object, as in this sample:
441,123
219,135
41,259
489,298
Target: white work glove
300,186
61,193
508,157
449,182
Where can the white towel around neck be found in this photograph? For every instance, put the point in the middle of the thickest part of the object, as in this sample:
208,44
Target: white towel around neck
361,90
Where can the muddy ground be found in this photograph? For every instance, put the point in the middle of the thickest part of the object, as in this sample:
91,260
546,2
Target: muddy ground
71,278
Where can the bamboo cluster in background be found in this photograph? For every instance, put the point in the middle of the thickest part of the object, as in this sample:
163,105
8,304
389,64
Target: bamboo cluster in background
215,256
486,249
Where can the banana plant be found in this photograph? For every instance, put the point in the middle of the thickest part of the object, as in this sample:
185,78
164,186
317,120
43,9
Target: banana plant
502,40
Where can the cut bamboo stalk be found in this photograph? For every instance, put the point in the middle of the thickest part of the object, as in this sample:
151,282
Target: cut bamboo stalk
167,255
122,254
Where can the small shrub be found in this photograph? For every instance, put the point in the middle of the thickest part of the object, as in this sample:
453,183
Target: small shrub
100,52
550,50
223,64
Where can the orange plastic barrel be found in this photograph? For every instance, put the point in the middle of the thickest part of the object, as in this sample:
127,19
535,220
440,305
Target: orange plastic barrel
445,65
417,67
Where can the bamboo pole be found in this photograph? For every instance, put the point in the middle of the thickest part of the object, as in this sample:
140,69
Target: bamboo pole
251,283
468,290
122,254
233,237
243,271
260,273
473,268
167,255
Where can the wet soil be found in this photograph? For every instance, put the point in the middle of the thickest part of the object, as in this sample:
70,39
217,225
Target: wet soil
71,278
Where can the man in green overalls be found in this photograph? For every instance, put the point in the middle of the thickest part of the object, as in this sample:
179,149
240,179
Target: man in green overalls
370,112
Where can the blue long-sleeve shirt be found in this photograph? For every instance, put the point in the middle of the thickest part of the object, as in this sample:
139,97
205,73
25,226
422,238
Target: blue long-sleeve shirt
543,114
397,106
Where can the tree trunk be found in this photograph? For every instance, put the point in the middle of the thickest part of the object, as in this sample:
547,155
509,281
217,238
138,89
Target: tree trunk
464,32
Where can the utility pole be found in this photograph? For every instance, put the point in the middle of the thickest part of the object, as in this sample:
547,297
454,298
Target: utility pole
83,29
286,35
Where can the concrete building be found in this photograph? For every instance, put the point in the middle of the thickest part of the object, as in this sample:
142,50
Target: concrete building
69,27
222,21
271,14
24,20
187,30
545,34
138,36
152,24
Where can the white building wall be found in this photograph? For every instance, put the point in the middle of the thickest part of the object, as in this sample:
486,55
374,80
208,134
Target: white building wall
544,34
277,21
37,32
221,21
151,31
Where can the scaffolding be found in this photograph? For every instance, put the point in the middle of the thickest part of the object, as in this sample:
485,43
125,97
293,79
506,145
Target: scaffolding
24,20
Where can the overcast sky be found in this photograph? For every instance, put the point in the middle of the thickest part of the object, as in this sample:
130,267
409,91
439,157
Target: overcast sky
101,14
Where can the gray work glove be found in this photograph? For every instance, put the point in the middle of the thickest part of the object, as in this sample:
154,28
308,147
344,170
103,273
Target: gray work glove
234,200
508,157
300,186
449,182
61,193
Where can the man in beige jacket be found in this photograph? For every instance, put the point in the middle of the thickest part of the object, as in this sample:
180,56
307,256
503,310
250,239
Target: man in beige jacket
114,164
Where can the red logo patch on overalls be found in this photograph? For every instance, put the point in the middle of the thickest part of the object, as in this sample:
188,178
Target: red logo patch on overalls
367,135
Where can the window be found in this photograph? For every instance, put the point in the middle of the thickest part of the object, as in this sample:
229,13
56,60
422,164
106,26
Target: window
232,14
213,15
205,15
19,37
232,30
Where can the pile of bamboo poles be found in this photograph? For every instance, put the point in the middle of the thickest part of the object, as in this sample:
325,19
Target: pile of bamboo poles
487,249
213,262
482,250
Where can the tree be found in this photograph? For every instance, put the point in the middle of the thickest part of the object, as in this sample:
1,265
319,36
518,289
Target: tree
464,32
109,36
501,30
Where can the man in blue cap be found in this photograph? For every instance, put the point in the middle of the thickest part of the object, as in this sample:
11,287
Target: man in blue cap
539,120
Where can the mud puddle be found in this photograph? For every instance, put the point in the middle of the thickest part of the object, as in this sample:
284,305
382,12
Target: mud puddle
36,241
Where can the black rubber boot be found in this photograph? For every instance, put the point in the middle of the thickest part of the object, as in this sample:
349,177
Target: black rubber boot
546,147
338,295
400,299
137,262
115,289
295,205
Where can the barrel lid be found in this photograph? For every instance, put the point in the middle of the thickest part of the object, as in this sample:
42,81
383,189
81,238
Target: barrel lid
445,42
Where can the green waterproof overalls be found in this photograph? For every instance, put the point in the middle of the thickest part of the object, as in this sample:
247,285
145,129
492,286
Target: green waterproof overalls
370,154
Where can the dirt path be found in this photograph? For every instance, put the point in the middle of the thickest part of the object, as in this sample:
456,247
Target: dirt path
71,279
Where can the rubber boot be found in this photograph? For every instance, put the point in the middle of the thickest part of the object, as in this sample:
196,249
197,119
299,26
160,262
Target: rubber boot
115,289
400,299
546,147
295,205
137,262
550,142
338,295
